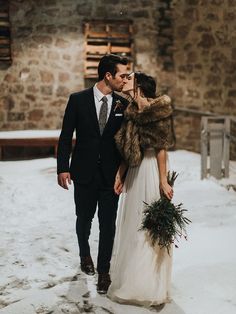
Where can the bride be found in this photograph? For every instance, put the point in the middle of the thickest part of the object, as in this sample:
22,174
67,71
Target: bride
140,273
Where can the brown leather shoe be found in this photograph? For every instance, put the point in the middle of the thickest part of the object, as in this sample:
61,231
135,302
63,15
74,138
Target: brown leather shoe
87,266
103,284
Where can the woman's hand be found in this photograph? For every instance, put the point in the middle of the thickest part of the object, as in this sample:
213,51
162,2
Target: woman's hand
166,189
118,186
120,177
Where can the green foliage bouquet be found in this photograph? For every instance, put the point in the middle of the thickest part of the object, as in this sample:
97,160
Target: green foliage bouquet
164,221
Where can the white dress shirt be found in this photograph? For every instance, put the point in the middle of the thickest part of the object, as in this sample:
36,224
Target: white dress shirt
98,100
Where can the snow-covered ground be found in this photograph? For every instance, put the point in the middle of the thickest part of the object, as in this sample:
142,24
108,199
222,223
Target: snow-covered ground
29,134
39,263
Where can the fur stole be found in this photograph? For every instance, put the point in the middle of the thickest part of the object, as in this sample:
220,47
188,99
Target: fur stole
150,128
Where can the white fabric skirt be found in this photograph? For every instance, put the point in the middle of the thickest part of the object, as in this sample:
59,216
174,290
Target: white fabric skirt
140,273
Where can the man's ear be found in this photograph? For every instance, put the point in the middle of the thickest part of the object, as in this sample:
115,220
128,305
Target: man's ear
108,76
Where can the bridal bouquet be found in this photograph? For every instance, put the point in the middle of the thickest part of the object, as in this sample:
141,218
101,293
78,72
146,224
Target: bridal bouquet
163,220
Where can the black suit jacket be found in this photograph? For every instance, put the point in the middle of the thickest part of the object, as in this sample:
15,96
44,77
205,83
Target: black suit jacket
91,148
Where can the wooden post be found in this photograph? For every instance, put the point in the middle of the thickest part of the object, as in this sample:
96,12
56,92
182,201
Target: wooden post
204,147
226,147
215,146
216,131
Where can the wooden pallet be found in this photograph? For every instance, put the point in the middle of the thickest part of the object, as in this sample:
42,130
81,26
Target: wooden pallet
5,42
105,37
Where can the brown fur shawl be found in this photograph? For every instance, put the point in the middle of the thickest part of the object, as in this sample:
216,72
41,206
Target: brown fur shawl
150,128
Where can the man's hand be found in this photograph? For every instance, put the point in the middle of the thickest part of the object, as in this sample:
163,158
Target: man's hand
63,179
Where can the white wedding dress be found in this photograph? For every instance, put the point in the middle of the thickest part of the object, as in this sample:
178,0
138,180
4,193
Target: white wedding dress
140,273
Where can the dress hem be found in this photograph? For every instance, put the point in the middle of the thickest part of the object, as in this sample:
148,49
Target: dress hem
139,302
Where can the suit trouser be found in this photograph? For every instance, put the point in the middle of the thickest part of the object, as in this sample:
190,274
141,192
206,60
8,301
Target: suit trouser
87,198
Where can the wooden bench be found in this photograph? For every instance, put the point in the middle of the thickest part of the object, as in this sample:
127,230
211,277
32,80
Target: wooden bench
29,138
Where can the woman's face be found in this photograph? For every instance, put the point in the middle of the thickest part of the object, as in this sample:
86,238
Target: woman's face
129,86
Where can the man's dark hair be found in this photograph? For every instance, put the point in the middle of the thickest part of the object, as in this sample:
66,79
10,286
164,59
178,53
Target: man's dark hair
108,63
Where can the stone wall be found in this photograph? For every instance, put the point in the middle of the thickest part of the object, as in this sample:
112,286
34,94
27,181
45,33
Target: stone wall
198,62
48,51
189,46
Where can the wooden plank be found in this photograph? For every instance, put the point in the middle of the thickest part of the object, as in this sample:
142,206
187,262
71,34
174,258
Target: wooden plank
120,35
4,41
91,75
91,71
5,51
93,34
91,63
92,56
226,147
120,49
7,58
114,40
97,49
204,144
3,15
4,23
30,142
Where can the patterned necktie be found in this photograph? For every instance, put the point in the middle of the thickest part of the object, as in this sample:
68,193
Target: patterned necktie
103,114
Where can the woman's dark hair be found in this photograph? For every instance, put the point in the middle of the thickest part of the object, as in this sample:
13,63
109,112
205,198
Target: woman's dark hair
146,83
108,63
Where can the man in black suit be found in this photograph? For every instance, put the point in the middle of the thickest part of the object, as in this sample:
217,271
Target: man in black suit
96,114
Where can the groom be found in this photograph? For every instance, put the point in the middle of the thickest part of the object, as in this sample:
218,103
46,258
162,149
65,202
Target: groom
96,115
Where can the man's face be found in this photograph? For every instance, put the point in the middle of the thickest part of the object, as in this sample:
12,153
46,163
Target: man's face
117,82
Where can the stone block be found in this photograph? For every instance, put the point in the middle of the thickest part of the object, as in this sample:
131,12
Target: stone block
15,116
140,14
59,103
207,41
62,91
24,105
215,94
53,55
232,93
32,89
46,90
35,115
84,8
16,89
10,78
213,80
64,77
30,97
62,43
46,77
40,39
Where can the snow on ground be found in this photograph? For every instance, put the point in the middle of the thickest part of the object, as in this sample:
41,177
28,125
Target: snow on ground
39,263
29,134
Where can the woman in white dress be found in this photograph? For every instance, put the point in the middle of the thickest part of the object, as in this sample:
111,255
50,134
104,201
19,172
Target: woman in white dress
141,272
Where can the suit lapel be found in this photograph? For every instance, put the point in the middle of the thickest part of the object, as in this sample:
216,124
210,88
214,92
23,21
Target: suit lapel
92,109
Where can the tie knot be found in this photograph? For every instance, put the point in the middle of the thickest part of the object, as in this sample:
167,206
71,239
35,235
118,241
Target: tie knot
104,99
